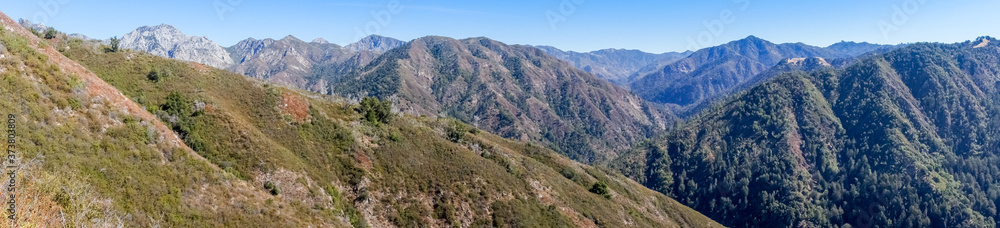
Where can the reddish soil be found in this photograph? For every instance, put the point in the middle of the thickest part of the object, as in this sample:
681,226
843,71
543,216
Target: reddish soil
295,106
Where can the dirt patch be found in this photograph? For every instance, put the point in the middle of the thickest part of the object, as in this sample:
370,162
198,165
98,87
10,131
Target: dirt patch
199,67
295,106
983,43
578,219
794,140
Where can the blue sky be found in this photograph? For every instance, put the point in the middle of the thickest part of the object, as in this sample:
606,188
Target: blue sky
579,25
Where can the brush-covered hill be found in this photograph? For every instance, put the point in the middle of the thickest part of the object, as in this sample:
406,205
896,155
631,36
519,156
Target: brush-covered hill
518,92
89,157
290,158
903,139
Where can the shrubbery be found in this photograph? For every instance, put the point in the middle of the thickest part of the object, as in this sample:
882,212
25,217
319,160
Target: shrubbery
113,45
601,188
375,111
51,33
456,130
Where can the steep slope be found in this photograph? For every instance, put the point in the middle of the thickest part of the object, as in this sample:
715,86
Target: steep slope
375,43
89,157
518,92
907,139
167,41
315,157
714,72
615,65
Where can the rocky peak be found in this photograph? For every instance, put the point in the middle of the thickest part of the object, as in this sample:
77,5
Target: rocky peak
375,43
168,41
40,27
320,41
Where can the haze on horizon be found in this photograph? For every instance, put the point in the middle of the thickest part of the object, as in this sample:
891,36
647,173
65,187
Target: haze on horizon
577,25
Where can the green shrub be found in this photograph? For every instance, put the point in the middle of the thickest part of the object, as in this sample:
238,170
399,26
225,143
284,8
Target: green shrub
375,111
272,188
113,45
601,188
456,131
51,33
177,105
153,76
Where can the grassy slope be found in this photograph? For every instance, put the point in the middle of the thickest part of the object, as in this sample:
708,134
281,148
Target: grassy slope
92,161
329,166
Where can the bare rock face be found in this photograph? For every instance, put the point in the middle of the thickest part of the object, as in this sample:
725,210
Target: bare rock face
167,41
375,43
40,27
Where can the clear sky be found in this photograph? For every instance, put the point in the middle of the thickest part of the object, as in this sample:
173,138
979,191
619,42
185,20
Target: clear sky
579,25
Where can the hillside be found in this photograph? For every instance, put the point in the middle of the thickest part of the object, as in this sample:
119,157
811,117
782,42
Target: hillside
317,159
903,139
615,65
89,157
714,72
517,92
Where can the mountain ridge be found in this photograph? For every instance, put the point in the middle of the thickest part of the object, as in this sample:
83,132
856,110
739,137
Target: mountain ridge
714,72
515,91
907,133
615,65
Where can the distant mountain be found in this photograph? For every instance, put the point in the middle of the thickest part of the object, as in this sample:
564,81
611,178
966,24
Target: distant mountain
713,72
287,61
312,66
614,65
40,27
167,41
856,49
375,43
907,138
515,91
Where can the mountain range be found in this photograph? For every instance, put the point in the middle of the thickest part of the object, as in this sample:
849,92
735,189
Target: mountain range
905,138
125,138
713,72
515,91
513,96
615,65
440,132
683,82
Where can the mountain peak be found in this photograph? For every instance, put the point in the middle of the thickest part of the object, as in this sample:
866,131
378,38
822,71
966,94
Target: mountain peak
320,41
752,40
165,26
375,43
167,41
291,37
